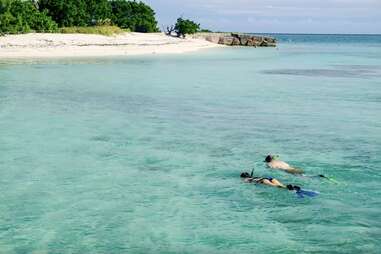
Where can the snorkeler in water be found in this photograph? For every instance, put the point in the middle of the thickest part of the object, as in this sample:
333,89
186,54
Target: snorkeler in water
274,163
269,181
249,178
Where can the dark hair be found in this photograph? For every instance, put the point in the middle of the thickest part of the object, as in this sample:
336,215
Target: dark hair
245,175
269,158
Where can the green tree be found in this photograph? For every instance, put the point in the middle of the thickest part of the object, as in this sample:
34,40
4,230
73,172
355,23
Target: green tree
66,12
136,16
18,16
98,11
10,23
186,26
42,22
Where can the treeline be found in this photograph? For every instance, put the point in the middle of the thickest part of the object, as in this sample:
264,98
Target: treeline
17,16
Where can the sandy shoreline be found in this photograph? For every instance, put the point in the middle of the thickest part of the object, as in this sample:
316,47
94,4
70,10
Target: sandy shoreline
88,45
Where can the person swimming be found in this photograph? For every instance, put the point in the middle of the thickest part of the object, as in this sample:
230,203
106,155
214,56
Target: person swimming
249,178
269,181
274,163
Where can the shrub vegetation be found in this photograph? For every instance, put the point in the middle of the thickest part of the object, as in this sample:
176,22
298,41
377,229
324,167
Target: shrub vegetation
103,30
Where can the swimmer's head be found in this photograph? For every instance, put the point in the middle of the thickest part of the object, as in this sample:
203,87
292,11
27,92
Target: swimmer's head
269,158
245,175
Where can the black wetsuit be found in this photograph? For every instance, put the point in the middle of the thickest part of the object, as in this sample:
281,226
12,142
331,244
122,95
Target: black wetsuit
260,179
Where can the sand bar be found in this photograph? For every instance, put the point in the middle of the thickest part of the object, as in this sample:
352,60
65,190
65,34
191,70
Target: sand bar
43,45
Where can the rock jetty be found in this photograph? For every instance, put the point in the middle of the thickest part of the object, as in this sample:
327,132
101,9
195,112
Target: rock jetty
235,39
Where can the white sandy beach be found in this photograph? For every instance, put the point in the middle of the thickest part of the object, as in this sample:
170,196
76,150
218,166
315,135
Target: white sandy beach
44,45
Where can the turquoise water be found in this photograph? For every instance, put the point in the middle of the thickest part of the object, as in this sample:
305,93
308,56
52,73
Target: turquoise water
143,154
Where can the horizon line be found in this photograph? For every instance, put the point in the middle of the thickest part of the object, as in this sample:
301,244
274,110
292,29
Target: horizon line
355,34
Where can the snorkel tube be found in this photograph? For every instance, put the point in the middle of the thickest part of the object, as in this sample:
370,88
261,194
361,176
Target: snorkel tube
275,157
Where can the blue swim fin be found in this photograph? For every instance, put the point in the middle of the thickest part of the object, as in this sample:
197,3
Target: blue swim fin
301,193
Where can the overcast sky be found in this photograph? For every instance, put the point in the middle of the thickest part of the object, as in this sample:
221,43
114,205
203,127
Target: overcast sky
281,16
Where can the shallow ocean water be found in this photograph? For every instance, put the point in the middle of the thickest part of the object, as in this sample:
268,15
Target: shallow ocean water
143,154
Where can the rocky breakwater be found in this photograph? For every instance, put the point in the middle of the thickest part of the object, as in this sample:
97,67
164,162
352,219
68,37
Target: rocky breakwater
235,39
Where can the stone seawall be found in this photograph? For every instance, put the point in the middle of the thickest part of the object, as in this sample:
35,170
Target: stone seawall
235,39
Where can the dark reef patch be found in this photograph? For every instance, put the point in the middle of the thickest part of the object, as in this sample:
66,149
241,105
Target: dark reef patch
340,71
